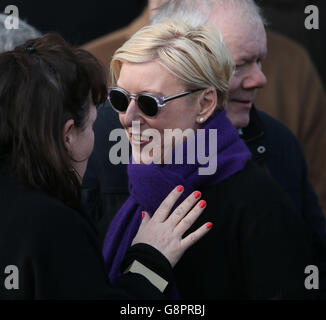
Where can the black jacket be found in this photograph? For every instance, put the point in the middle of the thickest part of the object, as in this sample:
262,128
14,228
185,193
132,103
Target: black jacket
57,253
275,148
257,249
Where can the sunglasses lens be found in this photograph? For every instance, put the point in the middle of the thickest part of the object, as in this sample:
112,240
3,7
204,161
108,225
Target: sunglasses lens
147,105
118,100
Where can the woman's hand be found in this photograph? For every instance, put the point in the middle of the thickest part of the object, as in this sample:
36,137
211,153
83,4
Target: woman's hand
165,232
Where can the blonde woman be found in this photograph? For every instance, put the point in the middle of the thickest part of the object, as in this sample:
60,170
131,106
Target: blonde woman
173,76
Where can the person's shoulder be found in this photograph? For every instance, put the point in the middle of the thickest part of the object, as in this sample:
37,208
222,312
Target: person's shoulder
32,221
248,198
272,124
252,177
35,209
277,133
42,204
293,57
250,187
291,48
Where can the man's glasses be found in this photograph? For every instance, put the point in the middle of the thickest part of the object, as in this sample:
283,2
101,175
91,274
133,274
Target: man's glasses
149,104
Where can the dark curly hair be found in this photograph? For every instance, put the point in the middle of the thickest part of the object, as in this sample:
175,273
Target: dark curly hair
44,83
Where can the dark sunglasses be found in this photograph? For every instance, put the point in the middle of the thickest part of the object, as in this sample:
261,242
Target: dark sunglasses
149,104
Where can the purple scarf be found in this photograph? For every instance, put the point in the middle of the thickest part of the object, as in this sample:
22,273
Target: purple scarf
150,184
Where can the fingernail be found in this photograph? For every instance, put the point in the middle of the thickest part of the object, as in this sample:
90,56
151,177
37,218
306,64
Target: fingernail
209,225
202,204
197,194
143,214
180,188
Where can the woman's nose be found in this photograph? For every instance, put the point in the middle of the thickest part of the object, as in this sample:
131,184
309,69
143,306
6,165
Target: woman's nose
132,113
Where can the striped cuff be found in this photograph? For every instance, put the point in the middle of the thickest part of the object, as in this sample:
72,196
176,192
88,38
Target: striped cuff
154,278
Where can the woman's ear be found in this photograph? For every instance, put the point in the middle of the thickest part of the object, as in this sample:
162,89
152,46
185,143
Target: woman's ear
68,134
208,102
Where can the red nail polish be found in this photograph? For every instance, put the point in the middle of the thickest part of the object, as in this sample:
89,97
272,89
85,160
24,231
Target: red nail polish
143,214
197,194
202,204
209,225
180,188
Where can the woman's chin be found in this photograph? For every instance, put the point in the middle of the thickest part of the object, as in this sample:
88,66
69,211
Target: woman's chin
139,158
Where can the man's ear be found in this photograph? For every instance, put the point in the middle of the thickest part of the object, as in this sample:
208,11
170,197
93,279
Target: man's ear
68,134
208,102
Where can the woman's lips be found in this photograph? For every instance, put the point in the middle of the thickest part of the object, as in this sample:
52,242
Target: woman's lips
139,139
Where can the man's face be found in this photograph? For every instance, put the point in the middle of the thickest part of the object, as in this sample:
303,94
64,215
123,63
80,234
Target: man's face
247,43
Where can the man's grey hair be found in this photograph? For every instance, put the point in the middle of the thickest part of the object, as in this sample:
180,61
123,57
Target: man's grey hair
198,12
11,38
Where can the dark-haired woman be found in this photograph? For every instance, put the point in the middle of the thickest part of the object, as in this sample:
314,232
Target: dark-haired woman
48,247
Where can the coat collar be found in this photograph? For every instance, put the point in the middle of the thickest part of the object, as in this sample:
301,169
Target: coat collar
255,138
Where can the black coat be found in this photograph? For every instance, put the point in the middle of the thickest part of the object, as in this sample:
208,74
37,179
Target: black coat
274,147
258,247
57,253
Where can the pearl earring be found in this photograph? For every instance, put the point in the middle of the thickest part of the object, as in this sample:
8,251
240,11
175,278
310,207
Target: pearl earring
201,120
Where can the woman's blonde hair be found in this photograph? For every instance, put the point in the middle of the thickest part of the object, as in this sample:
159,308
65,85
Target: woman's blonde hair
197,55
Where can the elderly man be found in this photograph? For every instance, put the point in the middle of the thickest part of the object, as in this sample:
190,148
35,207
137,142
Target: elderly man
273,146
